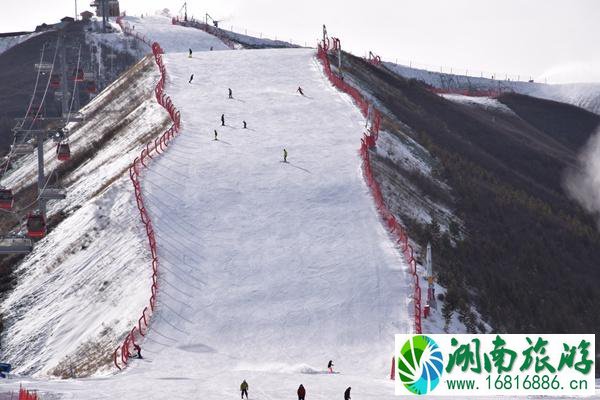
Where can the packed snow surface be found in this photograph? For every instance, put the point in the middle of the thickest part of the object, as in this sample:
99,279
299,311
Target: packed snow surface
173,38
268,269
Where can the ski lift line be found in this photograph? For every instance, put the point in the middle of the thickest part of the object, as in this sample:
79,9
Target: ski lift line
37,78
23,209
74,87
47,86
39,72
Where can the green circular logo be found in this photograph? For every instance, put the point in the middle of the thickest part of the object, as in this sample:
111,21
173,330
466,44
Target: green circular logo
420,364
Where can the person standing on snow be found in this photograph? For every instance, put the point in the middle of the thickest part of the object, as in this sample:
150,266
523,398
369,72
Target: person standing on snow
300,91
191,78
138,349
230,94
245,125
330,366
222,119
244,389
190,55
347,394
216,135
301,392
284,155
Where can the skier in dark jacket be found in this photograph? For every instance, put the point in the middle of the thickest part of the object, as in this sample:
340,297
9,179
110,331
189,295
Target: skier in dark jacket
230,94
300,91
216,134
301,392
244,389
190,55
222,119
347,394
284,155
330,366
245,125
138,349
191,78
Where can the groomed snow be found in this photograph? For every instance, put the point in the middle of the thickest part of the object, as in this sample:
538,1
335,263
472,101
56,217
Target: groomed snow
173,38
268,270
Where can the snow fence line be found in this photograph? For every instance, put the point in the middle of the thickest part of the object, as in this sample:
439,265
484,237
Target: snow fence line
155,148
368,141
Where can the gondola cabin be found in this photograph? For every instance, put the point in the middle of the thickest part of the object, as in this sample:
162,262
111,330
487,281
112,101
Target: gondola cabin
77,75
7,200
63,151
36,226
55,81
90,87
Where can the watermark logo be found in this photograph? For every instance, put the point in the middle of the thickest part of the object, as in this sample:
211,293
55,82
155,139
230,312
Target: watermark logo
495,364
420,364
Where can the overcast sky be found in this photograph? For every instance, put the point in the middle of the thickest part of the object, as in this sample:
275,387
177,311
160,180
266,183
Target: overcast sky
557,40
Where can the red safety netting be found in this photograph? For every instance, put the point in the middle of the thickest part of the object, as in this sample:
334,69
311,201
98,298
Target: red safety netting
152,149
368,141
27,395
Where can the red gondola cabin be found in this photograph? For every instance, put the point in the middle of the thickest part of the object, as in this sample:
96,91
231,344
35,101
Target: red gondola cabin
63,151
36,226
90,87
77,75
55,81
7,199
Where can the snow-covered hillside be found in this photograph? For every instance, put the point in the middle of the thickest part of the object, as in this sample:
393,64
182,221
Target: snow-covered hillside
80,281
268,269
6,42
584,95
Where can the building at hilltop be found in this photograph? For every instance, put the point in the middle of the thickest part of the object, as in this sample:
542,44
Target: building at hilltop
108,7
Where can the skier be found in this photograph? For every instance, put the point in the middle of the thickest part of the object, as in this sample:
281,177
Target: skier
284,155
230,94
191,78
139,350
216,135
244,389
301,392
190,55
330,366
300,91
211,48
222,119
347,394
245,125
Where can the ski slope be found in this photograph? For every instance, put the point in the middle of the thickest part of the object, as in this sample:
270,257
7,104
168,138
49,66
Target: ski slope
269,265
173,38
267,269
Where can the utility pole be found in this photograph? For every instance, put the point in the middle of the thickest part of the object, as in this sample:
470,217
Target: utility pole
104,5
